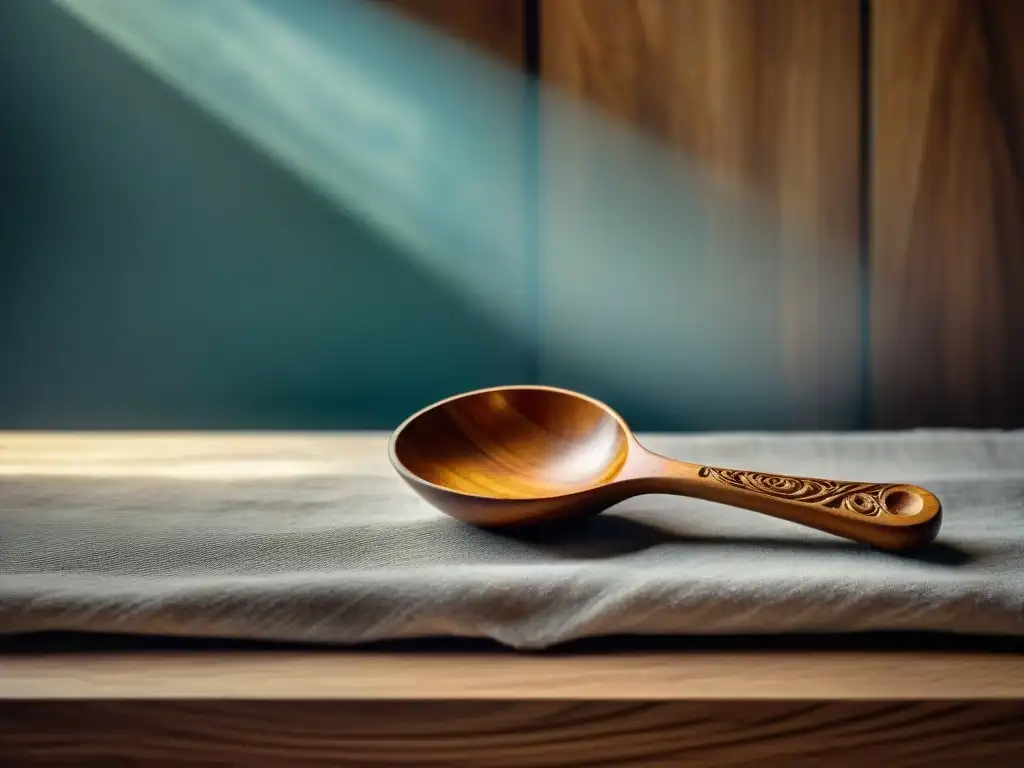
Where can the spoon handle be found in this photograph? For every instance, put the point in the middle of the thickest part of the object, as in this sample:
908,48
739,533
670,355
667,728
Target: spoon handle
887,516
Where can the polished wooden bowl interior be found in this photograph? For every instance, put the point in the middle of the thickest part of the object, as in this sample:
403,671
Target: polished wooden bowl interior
515,443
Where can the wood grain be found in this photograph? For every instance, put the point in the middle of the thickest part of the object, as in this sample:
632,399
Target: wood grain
494,709
947,211
759,98
489,733
699,676
494,26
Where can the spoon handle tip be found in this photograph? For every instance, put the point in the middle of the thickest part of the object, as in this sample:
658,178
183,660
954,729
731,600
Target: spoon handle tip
888,516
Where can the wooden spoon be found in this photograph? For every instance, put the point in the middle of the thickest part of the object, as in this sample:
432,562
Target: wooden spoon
514,456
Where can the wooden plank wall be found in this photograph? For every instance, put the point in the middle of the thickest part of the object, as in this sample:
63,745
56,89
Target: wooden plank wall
947,193
760,96
887,136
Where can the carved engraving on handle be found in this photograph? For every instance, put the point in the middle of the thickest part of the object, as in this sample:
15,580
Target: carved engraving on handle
862,498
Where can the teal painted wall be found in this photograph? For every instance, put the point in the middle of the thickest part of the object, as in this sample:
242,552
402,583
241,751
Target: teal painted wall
161,270
157,271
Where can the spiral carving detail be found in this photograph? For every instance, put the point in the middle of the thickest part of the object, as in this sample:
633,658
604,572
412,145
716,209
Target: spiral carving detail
862,498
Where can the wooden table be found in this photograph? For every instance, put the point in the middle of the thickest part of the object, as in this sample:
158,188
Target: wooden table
701,703
694,708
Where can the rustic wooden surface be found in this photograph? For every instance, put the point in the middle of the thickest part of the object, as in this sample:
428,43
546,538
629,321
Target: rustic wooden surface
763,97
488,733
695,675
947,210
701,709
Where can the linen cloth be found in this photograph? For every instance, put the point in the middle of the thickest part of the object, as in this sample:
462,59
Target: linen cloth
313,538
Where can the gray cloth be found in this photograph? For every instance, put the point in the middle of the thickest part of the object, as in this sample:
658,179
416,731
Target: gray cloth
313,538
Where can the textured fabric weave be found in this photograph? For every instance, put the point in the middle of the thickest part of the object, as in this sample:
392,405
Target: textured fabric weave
314,538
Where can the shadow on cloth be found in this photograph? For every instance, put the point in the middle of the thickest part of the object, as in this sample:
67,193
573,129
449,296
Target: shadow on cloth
611,535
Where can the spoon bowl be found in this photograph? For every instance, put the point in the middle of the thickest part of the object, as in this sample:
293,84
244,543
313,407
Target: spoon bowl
525,455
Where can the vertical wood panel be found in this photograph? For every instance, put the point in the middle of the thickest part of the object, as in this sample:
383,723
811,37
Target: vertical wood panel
947,240
728,319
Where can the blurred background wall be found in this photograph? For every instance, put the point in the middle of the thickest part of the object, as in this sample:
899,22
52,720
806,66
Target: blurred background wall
158,271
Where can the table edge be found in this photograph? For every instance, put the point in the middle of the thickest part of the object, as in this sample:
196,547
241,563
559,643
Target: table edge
675,676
